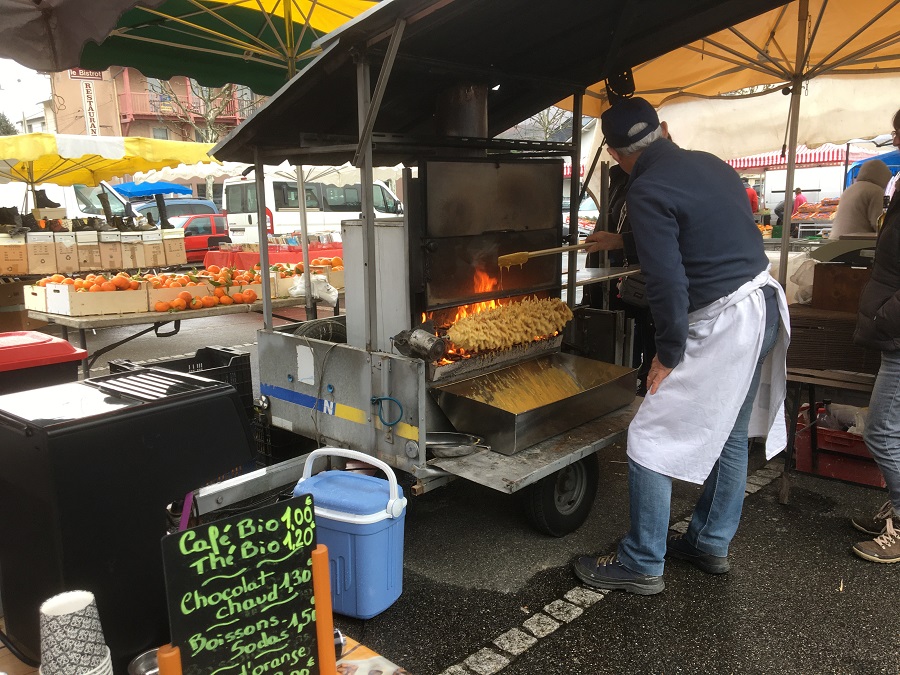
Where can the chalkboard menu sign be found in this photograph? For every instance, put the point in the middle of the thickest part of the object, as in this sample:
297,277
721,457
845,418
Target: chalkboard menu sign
240,592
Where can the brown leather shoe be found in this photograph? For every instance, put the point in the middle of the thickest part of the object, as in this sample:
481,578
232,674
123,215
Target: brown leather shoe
875,524
885,548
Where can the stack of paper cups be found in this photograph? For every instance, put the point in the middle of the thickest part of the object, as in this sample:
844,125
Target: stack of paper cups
72,641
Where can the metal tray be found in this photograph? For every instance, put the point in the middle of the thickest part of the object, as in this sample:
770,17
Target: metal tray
453,444
526,403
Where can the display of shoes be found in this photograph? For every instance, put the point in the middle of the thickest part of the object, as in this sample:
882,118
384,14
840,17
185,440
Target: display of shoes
29,221
13,230
42,201
165,224
57,226
10,216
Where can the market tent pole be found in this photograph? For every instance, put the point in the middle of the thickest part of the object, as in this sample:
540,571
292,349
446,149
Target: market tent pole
263,238
304,242
793,125
574,198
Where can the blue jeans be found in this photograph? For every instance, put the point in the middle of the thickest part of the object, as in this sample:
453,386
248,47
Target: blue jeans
882,434
718,511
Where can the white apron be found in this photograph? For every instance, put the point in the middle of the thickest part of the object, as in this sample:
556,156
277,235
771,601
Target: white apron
679,431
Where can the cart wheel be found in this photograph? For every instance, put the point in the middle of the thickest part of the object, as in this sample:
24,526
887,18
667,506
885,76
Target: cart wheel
561,502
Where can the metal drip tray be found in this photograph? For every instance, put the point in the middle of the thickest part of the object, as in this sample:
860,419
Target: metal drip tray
526,403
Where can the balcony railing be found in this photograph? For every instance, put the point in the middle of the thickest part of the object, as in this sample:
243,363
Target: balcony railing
160,105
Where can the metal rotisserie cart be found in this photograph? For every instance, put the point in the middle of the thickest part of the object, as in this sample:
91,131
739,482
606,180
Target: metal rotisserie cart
397,385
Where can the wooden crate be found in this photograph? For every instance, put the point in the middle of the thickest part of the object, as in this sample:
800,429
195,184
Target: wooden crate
837,286
64,299
823,340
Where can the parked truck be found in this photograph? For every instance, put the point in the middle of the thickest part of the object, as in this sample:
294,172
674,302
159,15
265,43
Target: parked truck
326,206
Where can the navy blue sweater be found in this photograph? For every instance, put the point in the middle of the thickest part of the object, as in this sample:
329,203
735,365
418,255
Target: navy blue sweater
695,236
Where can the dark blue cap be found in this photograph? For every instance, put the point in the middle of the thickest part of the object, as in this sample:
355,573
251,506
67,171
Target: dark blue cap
618,120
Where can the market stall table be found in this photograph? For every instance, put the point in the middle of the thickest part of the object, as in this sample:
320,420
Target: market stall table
246,260
157,320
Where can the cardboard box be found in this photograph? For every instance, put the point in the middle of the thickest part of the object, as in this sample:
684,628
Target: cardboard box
111,250
154,252
17,319
35,297
41,251
12,292
66,252
281,287
56,213
64,299
13,255
837,286
173,245
89,257
132,250
335,277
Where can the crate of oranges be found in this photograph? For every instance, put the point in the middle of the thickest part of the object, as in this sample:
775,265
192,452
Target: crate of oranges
332,268
203,289
94,294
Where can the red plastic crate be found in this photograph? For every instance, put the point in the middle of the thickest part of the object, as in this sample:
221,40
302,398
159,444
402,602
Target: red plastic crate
841,455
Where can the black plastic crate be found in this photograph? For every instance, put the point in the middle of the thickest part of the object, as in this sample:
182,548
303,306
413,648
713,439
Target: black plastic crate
223,364
274,444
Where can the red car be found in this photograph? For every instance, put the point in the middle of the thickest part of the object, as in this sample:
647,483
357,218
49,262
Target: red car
202,232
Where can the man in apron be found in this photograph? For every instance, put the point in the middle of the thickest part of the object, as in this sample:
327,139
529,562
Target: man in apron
721,338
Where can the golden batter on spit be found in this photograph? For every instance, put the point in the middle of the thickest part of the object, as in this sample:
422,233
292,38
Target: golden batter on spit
509,325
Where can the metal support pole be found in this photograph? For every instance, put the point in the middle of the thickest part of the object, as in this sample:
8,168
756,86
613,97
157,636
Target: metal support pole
604,225
262,228
311,312
366,176
574,194
793,124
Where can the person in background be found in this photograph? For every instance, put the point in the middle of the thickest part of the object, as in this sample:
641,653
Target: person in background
862,204
878,327
752,196
718,314
799,199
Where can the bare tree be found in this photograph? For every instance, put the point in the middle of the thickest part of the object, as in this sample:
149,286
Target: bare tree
544,126
210,113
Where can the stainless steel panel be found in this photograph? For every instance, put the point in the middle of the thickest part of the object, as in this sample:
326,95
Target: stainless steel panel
471,198
323,390
526,403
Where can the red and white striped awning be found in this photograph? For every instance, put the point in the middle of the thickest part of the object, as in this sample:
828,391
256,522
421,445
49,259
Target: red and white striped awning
825,155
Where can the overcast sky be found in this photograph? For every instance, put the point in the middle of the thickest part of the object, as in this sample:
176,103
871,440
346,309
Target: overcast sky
21,90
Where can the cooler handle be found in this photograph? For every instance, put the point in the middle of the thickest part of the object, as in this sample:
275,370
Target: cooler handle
395,504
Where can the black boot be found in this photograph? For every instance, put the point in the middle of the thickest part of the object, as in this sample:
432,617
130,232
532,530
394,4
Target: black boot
30,222
42,201
10,216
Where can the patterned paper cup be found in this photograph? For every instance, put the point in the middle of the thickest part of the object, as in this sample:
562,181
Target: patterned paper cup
72,641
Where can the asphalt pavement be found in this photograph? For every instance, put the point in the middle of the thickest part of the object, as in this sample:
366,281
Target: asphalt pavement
485,593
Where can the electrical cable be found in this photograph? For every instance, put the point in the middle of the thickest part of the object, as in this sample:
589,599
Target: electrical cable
15,652
380,401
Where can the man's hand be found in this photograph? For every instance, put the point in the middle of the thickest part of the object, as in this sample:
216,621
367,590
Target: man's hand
658,372
604,241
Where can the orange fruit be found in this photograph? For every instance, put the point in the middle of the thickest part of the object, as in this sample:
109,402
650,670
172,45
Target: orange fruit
186,296
99,279
337,269
95,288
69,281
107,286
337,262
213,269
238,297
219,291
134,285
121,281
195,303
178,304
250,296
161,306
174,284
57,278
226,300
41,282
79,284
209,300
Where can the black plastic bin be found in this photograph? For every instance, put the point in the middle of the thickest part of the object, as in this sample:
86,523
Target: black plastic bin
223,364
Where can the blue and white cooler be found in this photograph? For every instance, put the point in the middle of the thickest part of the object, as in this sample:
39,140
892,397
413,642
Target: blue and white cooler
360,519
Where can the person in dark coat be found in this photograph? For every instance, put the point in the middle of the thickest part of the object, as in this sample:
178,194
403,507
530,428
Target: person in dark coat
878,327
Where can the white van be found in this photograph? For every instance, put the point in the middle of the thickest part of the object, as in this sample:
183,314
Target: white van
80,201
326,206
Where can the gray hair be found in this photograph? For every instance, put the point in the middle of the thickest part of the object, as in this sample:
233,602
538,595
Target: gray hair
642,144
